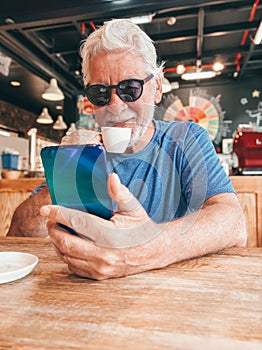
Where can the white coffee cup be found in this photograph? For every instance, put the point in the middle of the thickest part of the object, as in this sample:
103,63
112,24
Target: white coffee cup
115,139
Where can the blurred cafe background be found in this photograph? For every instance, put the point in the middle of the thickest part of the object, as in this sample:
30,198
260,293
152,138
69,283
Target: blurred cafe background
212,75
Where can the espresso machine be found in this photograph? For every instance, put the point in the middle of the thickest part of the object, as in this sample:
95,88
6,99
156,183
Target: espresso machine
247,146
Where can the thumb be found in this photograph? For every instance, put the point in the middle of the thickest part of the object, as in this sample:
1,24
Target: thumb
126,203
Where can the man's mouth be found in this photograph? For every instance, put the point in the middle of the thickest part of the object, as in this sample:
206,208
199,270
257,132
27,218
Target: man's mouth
123,124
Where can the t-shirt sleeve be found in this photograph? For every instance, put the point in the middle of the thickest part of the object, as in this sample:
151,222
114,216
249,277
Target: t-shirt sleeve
38,189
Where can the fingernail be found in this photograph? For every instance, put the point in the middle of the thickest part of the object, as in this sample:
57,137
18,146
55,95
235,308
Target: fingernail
117,181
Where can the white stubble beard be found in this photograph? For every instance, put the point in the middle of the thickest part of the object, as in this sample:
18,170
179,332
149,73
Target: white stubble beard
141,129
138,135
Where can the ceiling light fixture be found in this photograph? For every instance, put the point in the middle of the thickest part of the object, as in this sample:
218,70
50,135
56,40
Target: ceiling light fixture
198,75
258,36
180,69
166,86
171,21
60,124
218,66
44,117
53,93
15,83
142,19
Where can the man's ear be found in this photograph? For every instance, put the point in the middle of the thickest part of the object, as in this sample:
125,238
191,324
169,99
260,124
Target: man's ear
158,93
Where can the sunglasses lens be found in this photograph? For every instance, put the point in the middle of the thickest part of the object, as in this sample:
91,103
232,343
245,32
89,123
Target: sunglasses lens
130,90
98,94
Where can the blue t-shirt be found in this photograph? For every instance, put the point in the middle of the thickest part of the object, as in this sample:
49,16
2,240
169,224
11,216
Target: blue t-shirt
175,173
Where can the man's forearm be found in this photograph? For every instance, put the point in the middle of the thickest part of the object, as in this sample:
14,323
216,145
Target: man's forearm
26,220
217,226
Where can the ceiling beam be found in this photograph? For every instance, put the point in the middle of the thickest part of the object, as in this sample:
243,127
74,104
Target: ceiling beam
26,15
211,31
33,63
246,60
54,57
206,54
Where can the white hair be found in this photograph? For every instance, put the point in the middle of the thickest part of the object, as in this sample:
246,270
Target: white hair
120,35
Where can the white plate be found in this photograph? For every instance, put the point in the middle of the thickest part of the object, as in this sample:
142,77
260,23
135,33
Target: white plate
15,265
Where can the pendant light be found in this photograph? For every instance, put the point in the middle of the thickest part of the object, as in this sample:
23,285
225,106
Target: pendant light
44,117
258,36
60,124
53,93
166,86
71,129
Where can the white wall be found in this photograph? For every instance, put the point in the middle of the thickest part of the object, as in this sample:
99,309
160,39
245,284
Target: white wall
17,143
20,145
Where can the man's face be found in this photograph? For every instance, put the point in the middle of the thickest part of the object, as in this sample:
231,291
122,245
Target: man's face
110,69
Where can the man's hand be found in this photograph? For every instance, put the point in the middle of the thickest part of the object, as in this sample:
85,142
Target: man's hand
121,245
82,137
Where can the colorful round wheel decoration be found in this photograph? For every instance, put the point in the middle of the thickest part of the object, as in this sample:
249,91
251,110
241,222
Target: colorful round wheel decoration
193,113
204,110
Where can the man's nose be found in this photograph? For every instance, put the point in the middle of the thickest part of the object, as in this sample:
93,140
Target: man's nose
115,99
116,105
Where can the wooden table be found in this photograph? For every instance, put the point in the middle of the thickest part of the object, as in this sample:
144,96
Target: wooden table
214,302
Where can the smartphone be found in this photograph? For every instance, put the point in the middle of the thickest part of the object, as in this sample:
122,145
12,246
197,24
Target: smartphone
76,176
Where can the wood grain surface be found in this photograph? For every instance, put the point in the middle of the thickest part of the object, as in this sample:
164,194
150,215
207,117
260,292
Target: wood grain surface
20,185
213,302
249,190
8,203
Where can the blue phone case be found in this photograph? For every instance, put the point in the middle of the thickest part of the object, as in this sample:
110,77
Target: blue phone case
76,176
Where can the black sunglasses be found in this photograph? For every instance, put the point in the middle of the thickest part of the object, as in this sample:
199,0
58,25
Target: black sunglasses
128,90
